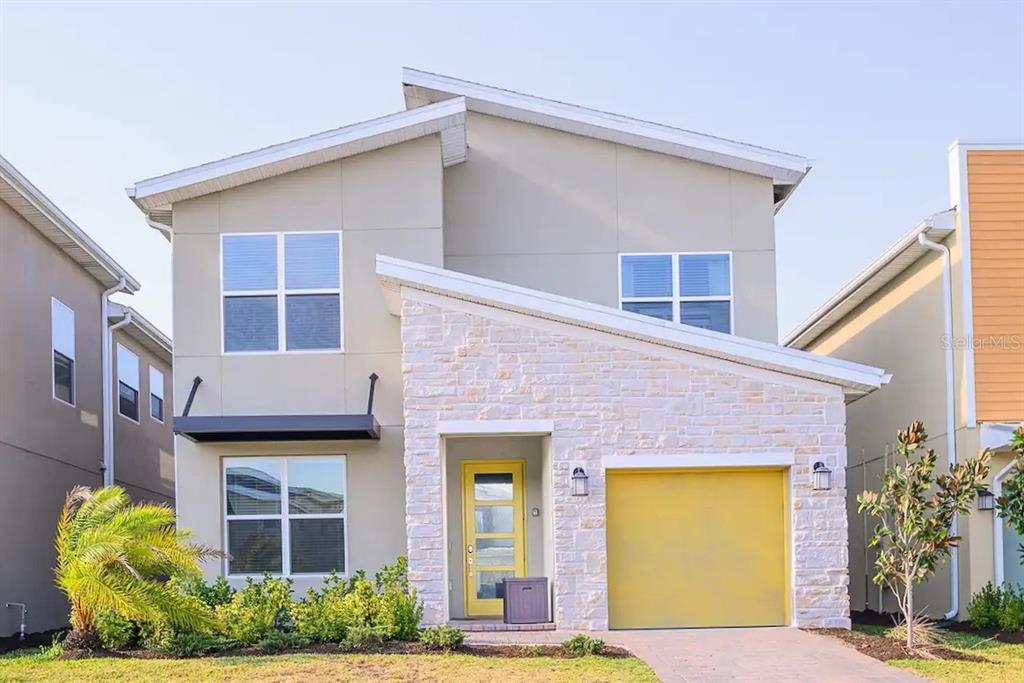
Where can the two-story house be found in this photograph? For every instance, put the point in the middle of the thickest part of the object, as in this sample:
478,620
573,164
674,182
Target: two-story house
60,336
508,337
943,309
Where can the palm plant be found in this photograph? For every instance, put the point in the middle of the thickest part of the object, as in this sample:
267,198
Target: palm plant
114,555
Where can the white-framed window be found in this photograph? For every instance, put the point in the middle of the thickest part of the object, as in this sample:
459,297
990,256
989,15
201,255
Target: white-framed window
156,394
62,337
281,292
127,383
688,288
285,515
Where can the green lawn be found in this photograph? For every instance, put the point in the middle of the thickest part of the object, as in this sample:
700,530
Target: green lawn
1003,663
341,668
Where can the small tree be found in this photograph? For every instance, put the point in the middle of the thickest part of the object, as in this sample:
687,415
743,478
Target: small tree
1011,502
112,555
913,532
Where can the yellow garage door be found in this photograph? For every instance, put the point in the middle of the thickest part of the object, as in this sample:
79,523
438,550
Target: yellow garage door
697,548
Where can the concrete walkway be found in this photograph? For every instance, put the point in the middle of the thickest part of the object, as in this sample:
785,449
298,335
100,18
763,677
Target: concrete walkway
778,655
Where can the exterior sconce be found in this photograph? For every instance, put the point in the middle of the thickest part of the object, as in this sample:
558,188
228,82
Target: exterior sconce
986,500
821,478
580,485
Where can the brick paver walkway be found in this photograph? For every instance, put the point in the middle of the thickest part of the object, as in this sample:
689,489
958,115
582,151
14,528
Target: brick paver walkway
775,655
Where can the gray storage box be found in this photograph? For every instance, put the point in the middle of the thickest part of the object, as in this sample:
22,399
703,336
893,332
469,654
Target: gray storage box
526,601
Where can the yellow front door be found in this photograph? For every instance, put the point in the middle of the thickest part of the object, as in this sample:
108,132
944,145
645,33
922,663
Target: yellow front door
697,548
494,524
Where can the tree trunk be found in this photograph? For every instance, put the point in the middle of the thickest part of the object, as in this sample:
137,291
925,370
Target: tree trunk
908,618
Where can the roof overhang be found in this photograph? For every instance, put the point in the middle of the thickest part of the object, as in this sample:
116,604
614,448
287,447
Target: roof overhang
884,270
142,331
155,196
43,214
855,379
786,170
235,428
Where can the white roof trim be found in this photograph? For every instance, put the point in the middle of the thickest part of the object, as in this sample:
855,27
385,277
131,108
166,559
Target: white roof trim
394,273
143,331
782,167
43,214
447,118
884,270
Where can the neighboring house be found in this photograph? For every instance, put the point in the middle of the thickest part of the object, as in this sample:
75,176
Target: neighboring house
53,280
963,375
472,256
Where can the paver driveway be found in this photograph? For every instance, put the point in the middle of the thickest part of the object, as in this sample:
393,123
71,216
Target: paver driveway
776,655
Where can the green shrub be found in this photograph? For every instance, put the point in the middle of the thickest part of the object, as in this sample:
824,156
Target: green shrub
116,632
213,594
1001,608
394,576
279,641
581,645
404,612
257,610
191,644
362,637
443,638
321,617
1011,617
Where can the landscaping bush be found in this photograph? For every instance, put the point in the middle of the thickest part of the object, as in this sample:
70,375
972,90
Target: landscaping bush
259,609
191,644
362,637
1011,618
997,607
321,617
581,645
279,641
402,606
443,638
213,594
116,632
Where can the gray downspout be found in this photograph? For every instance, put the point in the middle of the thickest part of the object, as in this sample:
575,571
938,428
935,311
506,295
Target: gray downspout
108,403
105,371
947,310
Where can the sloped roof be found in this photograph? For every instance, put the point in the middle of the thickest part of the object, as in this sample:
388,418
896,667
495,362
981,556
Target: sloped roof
856,379
142,331
785,169
36,208
155,195
884,270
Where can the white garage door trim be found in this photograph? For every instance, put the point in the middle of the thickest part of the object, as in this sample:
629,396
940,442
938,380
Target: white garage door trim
632,462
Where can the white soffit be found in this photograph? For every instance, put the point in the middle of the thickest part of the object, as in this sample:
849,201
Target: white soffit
855,378
447,118
143,331
36,208
884,270
785,169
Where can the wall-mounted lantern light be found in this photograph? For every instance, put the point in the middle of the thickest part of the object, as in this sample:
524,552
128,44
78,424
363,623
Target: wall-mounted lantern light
821,478
580,486
986,500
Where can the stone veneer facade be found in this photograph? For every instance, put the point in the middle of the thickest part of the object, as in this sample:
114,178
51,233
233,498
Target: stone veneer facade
608,395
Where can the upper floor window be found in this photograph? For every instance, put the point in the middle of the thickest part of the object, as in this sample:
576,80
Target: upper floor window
156,394
62,334
127,383
281,292
692,289
285,515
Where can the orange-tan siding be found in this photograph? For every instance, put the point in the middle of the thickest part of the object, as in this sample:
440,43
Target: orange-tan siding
995,186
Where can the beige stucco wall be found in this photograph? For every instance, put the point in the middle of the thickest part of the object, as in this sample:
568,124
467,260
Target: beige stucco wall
144,451
529,449
384,202
900,328
606,395
552,211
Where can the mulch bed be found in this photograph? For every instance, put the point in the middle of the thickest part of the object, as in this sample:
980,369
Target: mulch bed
390,648
884,648
32,640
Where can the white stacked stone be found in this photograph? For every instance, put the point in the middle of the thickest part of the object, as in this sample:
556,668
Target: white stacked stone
607,398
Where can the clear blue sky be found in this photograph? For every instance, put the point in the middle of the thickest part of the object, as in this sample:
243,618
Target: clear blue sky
94,96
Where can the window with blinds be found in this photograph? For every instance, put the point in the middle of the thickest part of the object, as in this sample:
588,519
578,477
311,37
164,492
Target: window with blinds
285,516
691,289
62,335
156,394
127,383
282,292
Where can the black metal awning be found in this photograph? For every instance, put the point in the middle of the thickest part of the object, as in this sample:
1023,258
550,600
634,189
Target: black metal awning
224,428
